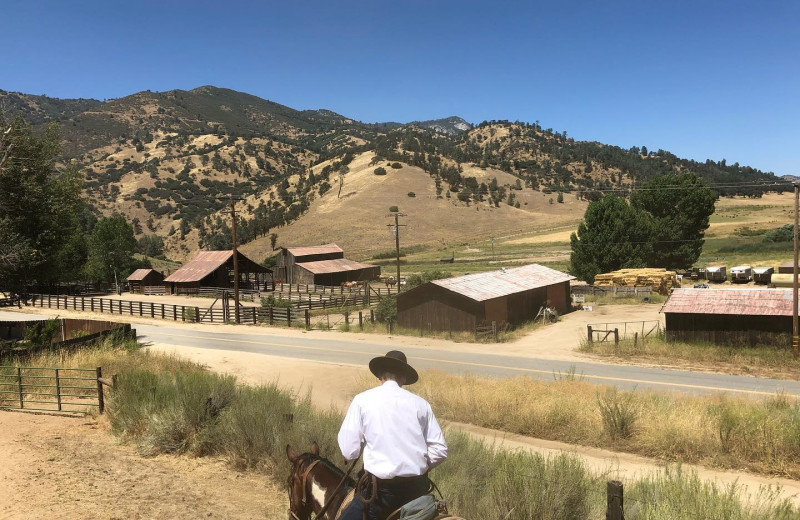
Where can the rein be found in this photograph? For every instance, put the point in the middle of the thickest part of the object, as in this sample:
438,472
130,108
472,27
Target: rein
339,487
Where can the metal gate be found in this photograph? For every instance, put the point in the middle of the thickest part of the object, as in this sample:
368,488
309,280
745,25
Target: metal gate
44,389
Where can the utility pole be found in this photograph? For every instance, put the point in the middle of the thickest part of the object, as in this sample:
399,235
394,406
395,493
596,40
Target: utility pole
396,232
795,334
233,200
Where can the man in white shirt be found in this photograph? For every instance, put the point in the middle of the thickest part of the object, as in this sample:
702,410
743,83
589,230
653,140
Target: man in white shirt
401,439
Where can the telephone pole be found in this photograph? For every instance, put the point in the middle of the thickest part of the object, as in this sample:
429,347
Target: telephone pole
795,335
233,200
396,230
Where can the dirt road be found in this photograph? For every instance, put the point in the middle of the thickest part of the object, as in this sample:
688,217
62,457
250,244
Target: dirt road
57,467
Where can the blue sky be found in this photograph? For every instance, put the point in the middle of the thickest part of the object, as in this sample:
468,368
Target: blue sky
702,79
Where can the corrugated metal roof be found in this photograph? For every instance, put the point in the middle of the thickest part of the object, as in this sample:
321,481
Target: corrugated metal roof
740,268
333,266
139,275
750,302
202,265
315,250
494,284
762,270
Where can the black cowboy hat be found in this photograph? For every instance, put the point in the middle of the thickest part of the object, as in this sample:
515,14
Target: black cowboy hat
395,362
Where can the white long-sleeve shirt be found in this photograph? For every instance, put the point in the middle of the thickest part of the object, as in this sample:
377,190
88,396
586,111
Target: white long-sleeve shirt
400,435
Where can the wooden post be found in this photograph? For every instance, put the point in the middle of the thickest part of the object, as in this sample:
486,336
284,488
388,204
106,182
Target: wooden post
58,390
589,330
616,336
635,339
494,331
101,306
174,313
614,502
255,316
288,317
347,318
308,319
83,304
19,384
100,390
162,311
372,315
360,320
272,315
91,303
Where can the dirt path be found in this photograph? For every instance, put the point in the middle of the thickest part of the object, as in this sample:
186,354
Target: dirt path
62,467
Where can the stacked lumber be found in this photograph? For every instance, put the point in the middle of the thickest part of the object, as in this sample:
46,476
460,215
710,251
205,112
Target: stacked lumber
660,281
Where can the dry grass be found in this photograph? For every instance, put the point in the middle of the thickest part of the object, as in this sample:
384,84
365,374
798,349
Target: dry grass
719,431
762,361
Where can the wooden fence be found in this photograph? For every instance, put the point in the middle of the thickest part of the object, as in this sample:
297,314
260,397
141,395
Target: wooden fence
601,332
612,290
187,313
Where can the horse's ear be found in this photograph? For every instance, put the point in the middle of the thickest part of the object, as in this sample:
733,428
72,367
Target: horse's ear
291,454
315,448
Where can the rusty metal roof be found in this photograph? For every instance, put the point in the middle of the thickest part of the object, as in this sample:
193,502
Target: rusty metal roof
202,265
315,250
333,266
494,284
139,274
749,302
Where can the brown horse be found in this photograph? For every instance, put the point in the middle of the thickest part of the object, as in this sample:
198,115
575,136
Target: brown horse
315,481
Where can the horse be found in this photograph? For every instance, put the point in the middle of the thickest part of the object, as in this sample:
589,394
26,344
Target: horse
315,483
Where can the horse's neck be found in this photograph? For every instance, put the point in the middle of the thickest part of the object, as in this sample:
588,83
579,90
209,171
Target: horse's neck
323,482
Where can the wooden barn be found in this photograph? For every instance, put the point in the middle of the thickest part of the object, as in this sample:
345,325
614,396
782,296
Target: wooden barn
215,269
334,272
730,316
508,296
141,278
288,257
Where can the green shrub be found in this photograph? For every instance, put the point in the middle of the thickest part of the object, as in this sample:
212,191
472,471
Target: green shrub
279,302
393,209
784,233
618,411
380,170
386,308
412,194
396,165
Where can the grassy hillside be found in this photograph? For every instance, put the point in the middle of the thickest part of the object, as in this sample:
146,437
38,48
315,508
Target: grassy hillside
164,158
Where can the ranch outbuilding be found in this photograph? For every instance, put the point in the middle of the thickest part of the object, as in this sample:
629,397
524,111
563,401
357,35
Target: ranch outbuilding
215,269
141,278
321,265
730,316
508,297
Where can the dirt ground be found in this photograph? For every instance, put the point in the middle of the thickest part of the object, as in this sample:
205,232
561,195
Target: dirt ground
64,467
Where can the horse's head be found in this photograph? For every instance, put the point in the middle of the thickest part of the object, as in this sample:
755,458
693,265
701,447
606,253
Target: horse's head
300,507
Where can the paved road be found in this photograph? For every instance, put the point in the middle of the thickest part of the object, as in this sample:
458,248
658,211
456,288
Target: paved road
358,352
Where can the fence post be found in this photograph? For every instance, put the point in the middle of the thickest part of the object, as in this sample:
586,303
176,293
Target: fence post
162,311
614,503
635,339
83,304
360,320
255,316
308,318
494,331
372,315
347,318
616,336
58,390
100,400
91,303
197,314
589,330
174,313
289,317
19,384
271,315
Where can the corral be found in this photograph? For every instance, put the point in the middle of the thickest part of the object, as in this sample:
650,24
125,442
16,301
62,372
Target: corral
507,296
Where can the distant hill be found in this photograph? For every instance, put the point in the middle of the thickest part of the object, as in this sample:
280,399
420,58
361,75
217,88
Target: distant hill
164,158
452,125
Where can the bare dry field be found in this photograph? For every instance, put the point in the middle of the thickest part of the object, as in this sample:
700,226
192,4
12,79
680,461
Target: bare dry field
66,468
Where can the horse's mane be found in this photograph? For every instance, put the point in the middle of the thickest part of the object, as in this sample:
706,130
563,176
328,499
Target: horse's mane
310,457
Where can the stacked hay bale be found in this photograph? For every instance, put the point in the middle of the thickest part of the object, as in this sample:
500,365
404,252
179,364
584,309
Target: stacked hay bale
660,281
